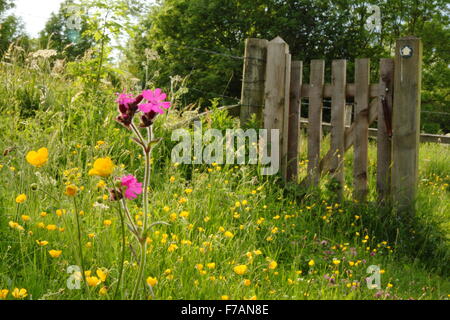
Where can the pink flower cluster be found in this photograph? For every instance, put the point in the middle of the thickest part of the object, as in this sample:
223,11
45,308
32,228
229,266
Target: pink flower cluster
129,106
132,187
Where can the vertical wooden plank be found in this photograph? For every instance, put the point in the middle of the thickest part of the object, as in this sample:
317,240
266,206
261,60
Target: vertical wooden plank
294,119
315,120
285,133
339,83
348,115
406,122
252,96
360,161
384,145
276,101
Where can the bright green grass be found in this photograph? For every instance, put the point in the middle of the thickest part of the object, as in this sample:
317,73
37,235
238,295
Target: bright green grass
261,215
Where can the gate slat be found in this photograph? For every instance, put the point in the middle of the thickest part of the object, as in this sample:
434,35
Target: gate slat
294,119
384,156
275,89
362,78
315,120
339,79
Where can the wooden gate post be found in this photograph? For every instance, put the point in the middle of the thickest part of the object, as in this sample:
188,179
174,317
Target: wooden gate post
252,96
276,107
295,105
406,122
384,133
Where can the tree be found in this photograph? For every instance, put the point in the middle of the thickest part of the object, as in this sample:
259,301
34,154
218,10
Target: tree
58,36
184,32
11,27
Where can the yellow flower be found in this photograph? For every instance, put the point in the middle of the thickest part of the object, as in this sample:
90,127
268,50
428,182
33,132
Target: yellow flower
26,218
211,265
42,243
19,293
225,298
172,247
173,217
172,179
55,253
102,275
39,158
51,227
107,223
311,263
43,214
103,167
152,281
247,282
71,190
103,291
101,184
273,265
228,234
241,269
188,191
92,281
390,285
3,294
336,261
184,214
21,198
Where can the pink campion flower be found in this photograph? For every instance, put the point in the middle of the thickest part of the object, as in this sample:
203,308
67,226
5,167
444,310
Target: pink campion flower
128,106
155,101
124,98
133,187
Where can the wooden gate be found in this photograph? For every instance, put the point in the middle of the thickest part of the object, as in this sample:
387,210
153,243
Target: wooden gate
273,88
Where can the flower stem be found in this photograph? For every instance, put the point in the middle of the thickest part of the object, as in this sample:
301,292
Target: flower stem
143,235
119,282
83,276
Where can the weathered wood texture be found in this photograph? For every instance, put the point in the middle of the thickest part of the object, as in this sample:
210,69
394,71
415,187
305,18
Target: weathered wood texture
384,146
294,120
276,93
406,122
254,74
315,120
360,158
339,78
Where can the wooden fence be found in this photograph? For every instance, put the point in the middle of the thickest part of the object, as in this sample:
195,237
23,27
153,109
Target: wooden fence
272,80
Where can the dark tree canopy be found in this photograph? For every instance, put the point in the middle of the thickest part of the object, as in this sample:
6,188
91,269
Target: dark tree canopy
184,31
56,35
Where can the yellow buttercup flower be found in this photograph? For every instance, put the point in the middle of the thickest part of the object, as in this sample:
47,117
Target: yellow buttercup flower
21,198
311,263
103,291
71,190
26,218
228,234
225,298
37,158
55,253
241,269
211,265
273,265
107,223
102,274
93,281
152,281
103,167
3,294
19,293
42,243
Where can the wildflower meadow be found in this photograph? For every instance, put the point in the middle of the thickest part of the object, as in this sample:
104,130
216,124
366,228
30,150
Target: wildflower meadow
94,204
